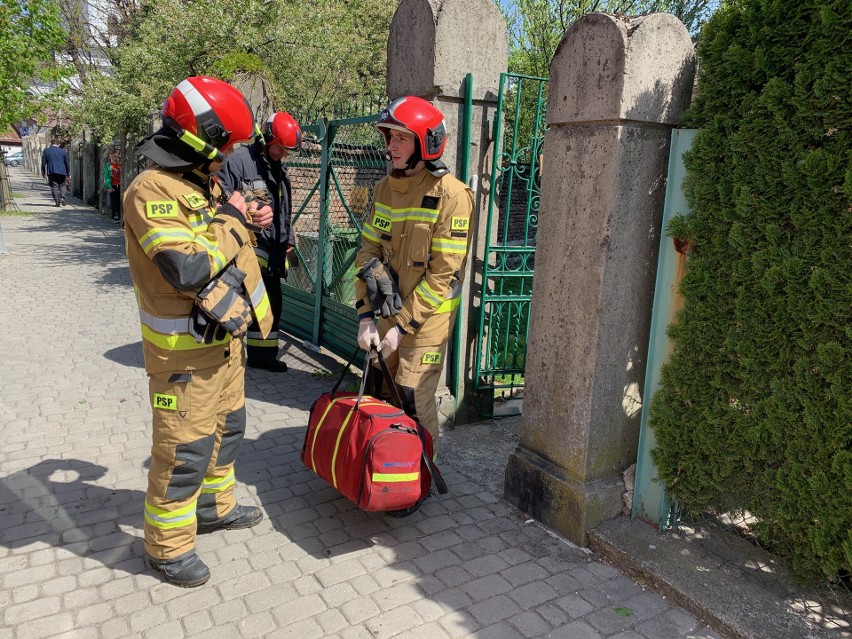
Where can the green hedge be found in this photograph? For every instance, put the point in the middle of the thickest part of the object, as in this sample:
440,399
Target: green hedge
753,413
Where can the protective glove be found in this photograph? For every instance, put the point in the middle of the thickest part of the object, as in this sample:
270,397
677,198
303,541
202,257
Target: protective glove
203,328
368,336
391,341
222,301
382,288
392,303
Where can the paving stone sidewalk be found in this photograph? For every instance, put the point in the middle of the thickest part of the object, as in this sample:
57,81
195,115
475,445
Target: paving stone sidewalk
74,450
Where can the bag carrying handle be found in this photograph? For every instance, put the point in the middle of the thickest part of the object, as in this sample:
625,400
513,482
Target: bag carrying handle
345,370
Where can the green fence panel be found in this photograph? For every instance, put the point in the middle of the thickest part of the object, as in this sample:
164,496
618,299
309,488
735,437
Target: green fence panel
512,225
342,158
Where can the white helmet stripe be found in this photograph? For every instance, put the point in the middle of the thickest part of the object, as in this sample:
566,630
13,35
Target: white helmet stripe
197,102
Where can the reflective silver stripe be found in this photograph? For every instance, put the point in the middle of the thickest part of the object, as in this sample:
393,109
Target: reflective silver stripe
261,253
197,102
273,336
173,326
257,294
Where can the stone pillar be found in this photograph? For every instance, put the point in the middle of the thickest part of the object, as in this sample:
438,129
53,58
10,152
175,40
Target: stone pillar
431,48
617,87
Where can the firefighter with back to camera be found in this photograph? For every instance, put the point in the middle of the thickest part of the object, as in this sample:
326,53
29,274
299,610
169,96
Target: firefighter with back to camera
198,287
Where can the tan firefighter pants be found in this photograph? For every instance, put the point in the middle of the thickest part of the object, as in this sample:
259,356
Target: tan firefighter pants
417,372
198,426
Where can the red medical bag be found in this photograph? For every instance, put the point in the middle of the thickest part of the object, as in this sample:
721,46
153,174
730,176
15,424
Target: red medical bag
373,453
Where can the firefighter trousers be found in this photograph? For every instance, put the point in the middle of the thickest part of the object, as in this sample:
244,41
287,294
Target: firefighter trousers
198,427
416,372
264,350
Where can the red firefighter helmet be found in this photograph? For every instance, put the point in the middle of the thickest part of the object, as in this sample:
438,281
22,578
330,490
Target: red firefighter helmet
214,114
281,128
419,117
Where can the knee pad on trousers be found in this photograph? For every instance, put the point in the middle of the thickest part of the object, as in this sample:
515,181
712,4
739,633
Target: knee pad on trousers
191,461
232,438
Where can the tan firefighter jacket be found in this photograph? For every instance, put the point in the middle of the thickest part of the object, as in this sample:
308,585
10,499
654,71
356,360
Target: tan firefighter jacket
176,242
421,226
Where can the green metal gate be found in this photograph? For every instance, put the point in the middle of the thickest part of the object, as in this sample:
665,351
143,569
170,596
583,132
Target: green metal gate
333,179
509,260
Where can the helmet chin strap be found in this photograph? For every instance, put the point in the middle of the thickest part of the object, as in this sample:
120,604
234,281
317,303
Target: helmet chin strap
210,153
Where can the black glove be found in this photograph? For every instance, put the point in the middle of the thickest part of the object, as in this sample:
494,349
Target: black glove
382,288
389,289
203,328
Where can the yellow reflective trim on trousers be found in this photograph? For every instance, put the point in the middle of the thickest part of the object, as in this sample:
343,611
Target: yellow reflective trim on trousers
217,484
166,519
430,296
182,342
389,478
263,343
263,307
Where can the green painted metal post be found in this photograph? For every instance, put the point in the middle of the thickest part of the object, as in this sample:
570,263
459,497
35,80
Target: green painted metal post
464,176
650,501
327,137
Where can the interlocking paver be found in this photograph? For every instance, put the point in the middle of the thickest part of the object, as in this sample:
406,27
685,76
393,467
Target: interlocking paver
73,455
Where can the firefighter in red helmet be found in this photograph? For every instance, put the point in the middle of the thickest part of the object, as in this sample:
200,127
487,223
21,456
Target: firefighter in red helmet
414,247
198,287
257,169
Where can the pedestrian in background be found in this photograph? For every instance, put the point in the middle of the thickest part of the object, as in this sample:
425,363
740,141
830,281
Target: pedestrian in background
112,185
258,169
56,168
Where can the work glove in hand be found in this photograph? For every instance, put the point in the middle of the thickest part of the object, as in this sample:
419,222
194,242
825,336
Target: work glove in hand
222,300
203,328
382,288
391,341
368,335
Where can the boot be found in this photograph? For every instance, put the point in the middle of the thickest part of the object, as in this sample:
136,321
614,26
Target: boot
239,517
274,365
187,571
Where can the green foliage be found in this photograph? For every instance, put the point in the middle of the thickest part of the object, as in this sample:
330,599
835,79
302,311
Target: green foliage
30,33
754,409
537,26
307,55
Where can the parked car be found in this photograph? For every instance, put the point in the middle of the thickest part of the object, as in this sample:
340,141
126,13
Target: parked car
13,159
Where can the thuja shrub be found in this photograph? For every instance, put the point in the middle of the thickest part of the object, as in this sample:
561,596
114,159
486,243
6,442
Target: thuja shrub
753,414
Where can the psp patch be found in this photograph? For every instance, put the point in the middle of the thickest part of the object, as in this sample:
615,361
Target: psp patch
460,224
431,358
194,200
165,402
161,208
381,222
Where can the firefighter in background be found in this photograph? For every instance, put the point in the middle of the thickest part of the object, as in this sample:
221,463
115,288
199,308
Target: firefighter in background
257,169
414,246
198,285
